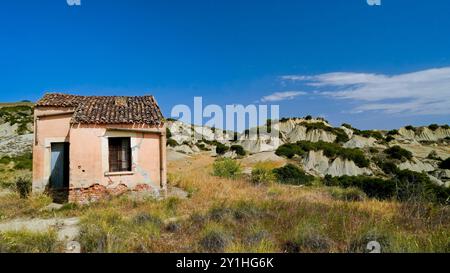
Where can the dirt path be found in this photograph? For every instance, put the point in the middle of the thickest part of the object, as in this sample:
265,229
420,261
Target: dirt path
67,228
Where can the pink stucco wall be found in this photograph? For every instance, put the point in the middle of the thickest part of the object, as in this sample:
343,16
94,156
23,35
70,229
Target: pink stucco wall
89,152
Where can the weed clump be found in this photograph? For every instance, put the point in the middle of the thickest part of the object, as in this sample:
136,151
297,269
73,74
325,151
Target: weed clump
262,173
214,239
226,168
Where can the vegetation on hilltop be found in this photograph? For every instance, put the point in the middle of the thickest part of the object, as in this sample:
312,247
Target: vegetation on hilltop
19,114
365,133
330,150
341,136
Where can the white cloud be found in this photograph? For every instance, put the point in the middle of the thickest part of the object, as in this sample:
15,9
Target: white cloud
280,96
423,92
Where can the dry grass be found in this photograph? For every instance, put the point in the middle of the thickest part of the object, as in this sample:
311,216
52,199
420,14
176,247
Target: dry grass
239,216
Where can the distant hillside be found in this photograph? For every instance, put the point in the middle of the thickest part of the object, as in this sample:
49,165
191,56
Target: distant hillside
320,149
16,136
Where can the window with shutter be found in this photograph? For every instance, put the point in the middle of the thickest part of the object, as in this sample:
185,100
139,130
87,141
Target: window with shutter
119,154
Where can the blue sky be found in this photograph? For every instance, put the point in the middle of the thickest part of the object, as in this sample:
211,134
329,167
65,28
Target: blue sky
374,67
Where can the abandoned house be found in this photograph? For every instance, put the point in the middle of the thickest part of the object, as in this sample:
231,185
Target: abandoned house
89,147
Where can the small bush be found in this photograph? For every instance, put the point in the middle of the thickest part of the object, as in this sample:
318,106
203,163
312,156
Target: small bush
397,152
433,155
214,239
410,127
172,142
144,217
262,173
308,238
388,167
348,194
433,127
168,133
289,150
246,210
202,146
221,149
23,185
238,149
445,164
389,138
227,168
373,150
219,212
393,132
373,187
291,174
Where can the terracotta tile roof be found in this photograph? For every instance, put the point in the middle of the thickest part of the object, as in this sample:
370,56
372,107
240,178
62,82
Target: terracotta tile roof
107,109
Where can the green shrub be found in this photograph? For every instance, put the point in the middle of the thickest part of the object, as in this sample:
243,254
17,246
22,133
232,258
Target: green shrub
289,150
433,127
23,185
388,167
227,168
445,164
202,146
331,150
433,155
406,185
221,149
291,174
238,149
262,173
414,186
172,142
410,127
397,152
390,138
393,132
23,162
373,187
5,160
373,150
168,133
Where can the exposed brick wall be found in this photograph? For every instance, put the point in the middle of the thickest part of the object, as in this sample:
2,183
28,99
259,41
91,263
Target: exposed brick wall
98,192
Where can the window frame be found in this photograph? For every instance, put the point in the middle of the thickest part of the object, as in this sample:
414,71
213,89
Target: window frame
121,156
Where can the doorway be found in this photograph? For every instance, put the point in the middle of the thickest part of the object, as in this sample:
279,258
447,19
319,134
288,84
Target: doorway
59,175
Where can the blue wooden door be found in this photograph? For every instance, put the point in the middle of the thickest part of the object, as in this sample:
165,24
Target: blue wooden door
59,178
